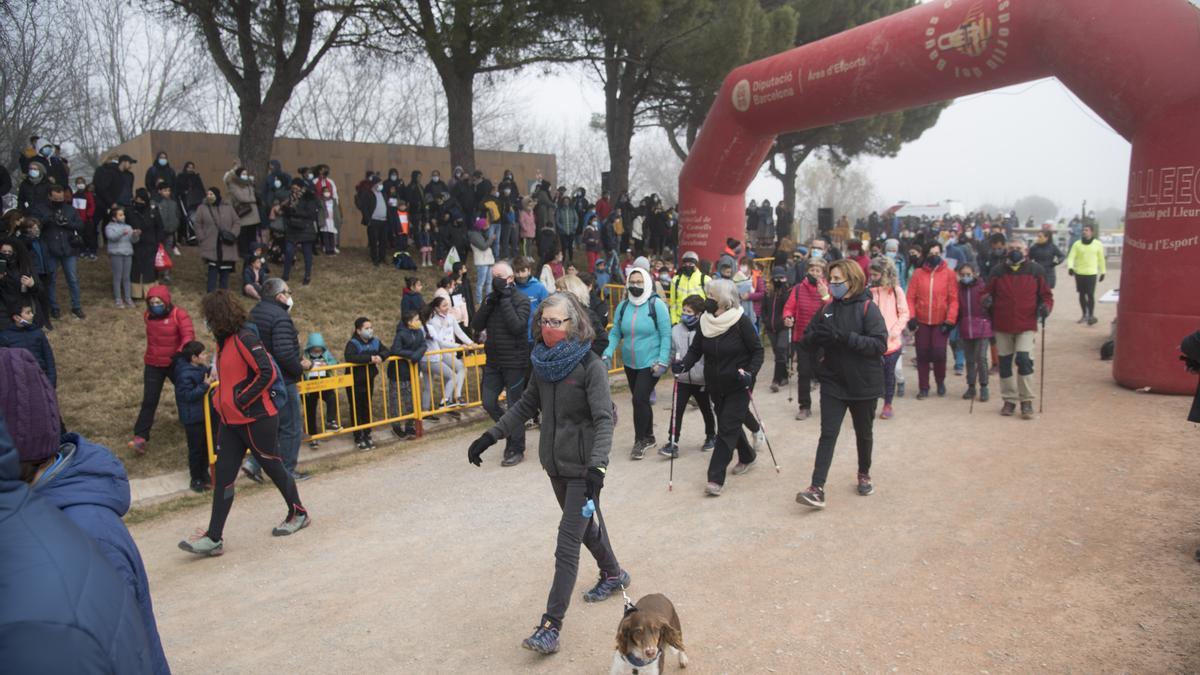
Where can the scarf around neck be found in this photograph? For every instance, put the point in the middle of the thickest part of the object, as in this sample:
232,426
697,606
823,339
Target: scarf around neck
715,326
553,364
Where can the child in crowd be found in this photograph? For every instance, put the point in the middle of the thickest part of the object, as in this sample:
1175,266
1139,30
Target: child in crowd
445,333
412,301
192,380
23,333
409,345
591,242
363,348
119,236
320,356
689,384
425,242
974,330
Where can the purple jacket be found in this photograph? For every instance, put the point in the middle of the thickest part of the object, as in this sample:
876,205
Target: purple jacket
973,319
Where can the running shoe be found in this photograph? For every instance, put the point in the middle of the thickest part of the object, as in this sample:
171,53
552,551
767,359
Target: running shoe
253,472
297,522
200,544
864,485
813,496
709,444
606,586
669,450
713,489
983,394
741,468
803,414
1026,410
544,639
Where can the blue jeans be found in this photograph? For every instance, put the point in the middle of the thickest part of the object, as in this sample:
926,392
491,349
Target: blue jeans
512,381
291,428
483,283
956,347
494,231
72,274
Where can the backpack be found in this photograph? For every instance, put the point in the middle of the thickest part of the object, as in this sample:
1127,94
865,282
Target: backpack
653,309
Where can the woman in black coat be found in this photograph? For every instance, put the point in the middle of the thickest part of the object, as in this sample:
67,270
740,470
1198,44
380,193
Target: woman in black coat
849,336
300,216
732,353
147,234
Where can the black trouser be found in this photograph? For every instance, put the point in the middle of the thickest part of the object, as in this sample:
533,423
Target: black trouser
805,370
641,383
310,411
573,530
512,382
197,451
780,344
377,240
42,299
289,257
733,409
259,437
361,400
329,241
833,411
696,391
218,276
567,241
1085,285
247,237
91,235
152,385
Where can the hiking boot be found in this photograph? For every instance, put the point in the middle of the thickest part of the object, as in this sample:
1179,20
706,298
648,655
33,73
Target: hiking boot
399,431
1008,409
411,432
760,439
370,441
332,425
138,445
297,522
922,394
887,412
803,414
709,444
1092,321
512,459
713,489
900,389
1082,319
606,586
774,387
941,388
200,544
741,468
55,314
78,312
544,639
983,394
669,450
969,394
313,445
1026,410
252,472
531,424
864,485
958,370
813,496
200,486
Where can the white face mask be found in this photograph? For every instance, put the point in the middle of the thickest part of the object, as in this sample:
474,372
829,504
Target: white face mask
162,162
289,303
35,174
278,183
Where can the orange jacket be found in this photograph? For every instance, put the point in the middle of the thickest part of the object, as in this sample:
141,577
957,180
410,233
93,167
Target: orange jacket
933,295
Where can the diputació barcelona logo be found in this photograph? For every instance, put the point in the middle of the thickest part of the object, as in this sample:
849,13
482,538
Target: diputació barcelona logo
969,39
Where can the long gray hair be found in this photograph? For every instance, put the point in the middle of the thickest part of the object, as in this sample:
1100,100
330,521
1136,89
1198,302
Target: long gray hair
724,292
579,327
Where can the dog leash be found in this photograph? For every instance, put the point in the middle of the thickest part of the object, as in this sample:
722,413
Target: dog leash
629,606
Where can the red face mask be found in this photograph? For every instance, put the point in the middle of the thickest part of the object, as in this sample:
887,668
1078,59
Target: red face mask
553,336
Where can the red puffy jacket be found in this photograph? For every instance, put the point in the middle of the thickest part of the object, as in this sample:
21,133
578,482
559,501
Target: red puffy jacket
244,378
166,334
803,302
1016,296
933,295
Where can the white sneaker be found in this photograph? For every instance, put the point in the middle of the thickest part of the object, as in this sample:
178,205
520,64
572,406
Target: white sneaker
760,438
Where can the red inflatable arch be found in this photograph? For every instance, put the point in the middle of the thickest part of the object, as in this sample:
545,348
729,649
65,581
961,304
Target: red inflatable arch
1137,64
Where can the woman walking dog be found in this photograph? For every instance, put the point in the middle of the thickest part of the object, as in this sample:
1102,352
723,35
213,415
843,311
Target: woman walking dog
569,388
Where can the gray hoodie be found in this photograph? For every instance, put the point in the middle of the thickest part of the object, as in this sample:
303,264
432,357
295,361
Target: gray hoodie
681,340
120,238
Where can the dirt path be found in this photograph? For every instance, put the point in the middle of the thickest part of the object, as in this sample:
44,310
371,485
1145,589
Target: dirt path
991,545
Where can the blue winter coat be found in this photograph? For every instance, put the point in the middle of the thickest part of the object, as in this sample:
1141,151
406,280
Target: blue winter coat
34,340
189,391
90,487
644,341
536,292
65,609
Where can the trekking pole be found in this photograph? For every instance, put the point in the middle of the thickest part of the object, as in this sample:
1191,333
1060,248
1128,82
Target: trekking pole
764,430
1042,374
672,439
972,410
789,364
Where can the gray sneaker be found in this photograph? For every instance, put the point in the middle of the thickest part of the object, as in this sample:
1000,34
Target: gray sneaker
639,448
200,544
713,489
292,525
740,468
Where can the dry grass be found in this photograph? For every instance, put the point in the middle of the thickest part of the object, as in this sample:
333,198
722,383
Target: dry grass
100,359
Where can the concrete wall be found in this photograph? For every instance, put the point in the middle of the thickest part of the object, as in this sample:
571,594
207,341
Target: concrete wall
214,154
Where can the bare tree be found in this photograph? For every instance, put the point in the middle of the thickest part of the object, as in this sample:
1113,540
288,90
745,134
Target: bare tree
847,190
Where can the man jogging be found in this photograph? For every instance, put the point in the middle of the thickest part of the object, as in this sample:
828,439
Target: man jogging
1018,296
1085,262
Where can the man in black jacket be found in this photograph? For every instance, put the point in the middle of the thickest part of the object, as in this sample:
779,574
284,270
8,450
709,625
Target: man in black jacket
505,317
278,335
61,230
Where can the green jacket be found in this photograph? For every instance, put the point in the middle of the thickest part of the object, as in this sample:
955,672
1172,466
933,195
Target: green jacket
1087,259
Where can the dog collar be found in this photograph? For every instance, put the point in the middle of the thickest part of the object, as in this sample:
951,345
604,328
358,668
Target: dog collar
639,663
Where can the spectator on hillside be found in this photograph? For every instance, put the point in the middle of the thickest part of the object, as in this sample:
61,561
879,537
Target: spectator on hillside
192,380
329,220
61,228
505,317
217,229
189,188
239,191
300,212
84,201
118,237
23,333
566,223
34,190
84,480
366,350
160,171
168,329
482,242
172,218
278,334
54,574
29,239
19,283
143,217
372,204
255,273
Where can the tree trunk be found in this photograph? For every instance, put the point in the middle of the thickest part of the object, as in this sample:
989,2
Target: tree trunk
260,122
460,104
618,123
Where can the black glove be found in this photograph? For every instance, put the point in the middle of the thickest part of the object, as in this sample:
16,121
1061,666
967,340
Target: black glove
678,368
1101,277
946,328
595,481
839,335
912,325
745,378
475,452
822,333
1071,272
1043,312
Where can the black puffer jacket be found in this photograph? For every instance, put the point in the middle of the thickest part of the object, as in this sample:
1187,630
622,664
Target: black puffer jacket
848,365
505,317
738,348
301,219
278,335
772,308
60,222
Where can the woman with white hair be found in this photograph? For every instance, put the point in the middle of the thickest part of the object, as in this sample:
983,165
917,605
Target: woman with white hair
569,389
732,355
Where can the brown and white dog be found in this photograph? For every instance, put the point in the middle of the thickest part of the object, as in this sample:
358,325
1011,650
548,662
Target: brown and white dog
646,631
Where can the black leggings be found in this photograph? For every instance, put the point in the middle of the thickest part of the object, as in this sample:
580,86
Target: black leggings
833,411
697,392
641,383
1085,285
733,410
259,437
805,370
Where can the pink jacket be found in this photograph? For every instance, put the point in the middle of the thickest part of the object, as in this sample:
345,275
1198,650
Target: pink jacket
893,304
528,224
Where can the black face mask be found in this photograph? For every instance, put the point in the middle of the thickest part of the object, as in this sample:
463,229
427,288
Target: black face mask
636,291
1015,256
710,306
914,259
812,279
687,270
499,285
780,282
1087,240
933,260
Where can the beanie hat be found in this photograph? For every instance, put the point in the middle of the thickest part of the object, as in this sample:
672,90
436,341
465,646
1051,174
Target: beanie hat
732,243
891,245
642,262
691,255
481,224
29,404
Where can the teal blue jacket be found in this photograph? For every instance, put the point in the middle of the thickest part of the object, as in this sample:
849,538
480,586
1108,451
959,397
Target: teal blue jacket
644,342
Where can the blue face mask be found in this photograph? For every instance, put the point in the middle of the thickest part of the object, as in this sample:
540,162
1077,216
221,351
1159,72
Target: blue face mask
891,254
838,290
690,320
158,310
967,279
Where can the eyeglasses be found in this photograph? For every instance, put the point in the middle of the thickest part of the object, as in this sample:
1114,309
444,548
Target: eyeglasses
552,323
